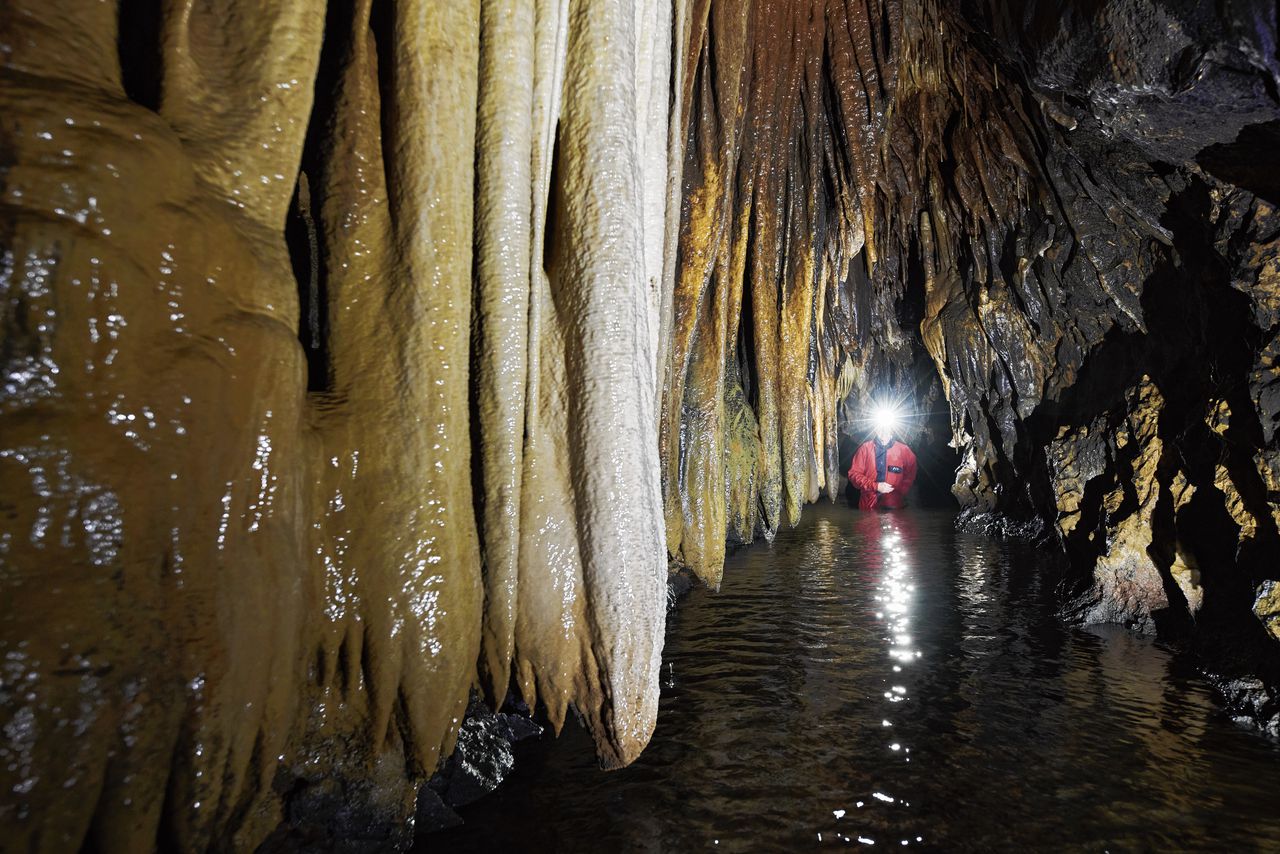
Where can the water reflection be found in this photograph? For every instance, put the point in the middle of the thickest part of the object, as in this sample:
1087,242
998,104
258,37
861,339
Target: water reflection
881,679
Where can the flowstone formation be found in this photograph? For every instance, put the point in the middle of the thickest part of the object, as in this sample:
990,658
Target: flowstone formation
242,575
780,165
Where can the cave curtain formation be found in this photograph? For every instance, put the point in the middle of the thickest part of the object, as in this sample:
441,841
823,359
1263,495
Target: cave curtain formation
234,569
361,353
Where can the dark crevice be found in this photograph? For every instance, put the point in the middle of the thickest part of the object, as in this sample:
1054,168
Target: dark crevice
550,221
240,811
1248,161
168,834
382,28
400,734
303,241
366,657
344,674
304,232
138,44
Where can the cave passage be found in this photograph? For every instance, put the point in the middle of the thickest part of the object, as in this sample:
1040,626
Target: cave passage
889,679
372,371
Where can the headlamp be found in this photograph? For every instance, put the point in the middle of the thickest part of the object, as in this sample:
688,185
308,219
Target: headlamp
885,418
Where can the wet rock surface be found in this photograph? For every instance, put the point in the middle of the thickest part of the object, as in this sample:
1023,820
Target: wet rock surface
349,814
374,812
1100,303
323,325
355,355
1251,701
480,761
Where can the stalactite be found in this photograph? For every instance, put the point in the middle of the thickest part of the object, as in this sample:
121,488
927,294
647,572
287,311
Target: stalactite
504,153
361,354
590,631
270,592
781,163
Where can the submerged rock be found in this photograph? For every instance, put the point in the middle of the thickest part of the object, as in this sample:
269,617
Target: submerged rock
481,760
998,525
353,814
1251,701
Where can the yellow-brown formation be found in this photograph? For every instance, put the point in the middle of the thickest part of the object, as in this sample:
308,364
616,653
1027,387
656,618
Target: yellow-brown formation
220,583
784,103
579,285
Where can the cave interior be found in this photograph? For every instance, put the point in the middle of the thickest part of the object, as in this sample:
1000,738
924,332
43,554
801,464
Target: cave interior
370,364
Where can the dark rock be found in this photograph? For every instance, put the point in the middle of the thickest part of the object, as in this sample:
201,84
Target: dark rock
517,727
336,813
481,760
1250,700
679,582
432,813
999,525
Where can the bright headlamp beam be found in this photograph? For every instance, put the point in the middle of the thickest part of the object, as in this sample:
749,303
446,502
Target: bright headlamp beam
885,418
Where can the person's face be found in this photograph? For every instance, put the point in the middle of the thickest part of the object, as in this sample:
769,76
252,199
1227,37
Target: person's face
884,434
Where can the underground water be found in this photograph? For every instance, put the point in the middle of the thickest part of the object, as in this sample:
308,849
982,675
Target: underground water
887,679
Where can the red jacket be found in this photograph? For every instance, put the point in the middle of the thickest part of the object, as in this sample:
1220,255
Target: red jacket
900,473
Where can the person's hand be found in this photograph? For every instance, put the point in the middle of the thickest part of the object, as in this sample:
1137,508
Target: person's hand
883,487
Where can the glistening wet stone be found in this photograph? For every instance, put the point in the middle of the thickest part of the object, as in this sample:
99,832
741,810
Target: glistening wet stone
887,678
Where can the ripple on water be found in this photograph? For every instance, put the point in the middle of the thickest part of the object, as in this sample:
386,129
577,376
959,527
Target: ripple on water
883,678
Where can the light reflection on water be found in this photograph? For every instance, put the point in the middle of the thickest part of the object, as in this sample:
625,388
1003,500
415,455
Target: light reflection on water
881,678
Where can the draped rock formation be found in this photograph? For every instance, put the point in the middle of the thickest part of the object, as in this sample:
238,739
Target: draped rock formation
362,354
779,166
240,573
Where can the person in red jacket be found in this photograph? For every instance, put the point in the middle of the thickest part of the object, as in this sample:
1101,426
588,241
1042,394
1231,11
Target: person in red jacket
883,469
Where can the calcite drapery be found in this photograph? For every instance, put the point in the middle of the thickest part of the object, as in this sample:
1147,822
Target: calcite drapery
240,573
784,104
222,591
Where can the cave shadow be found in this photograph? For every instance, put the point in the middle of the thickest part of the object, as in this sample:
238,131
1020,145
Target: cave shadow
1248,161
1199,347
